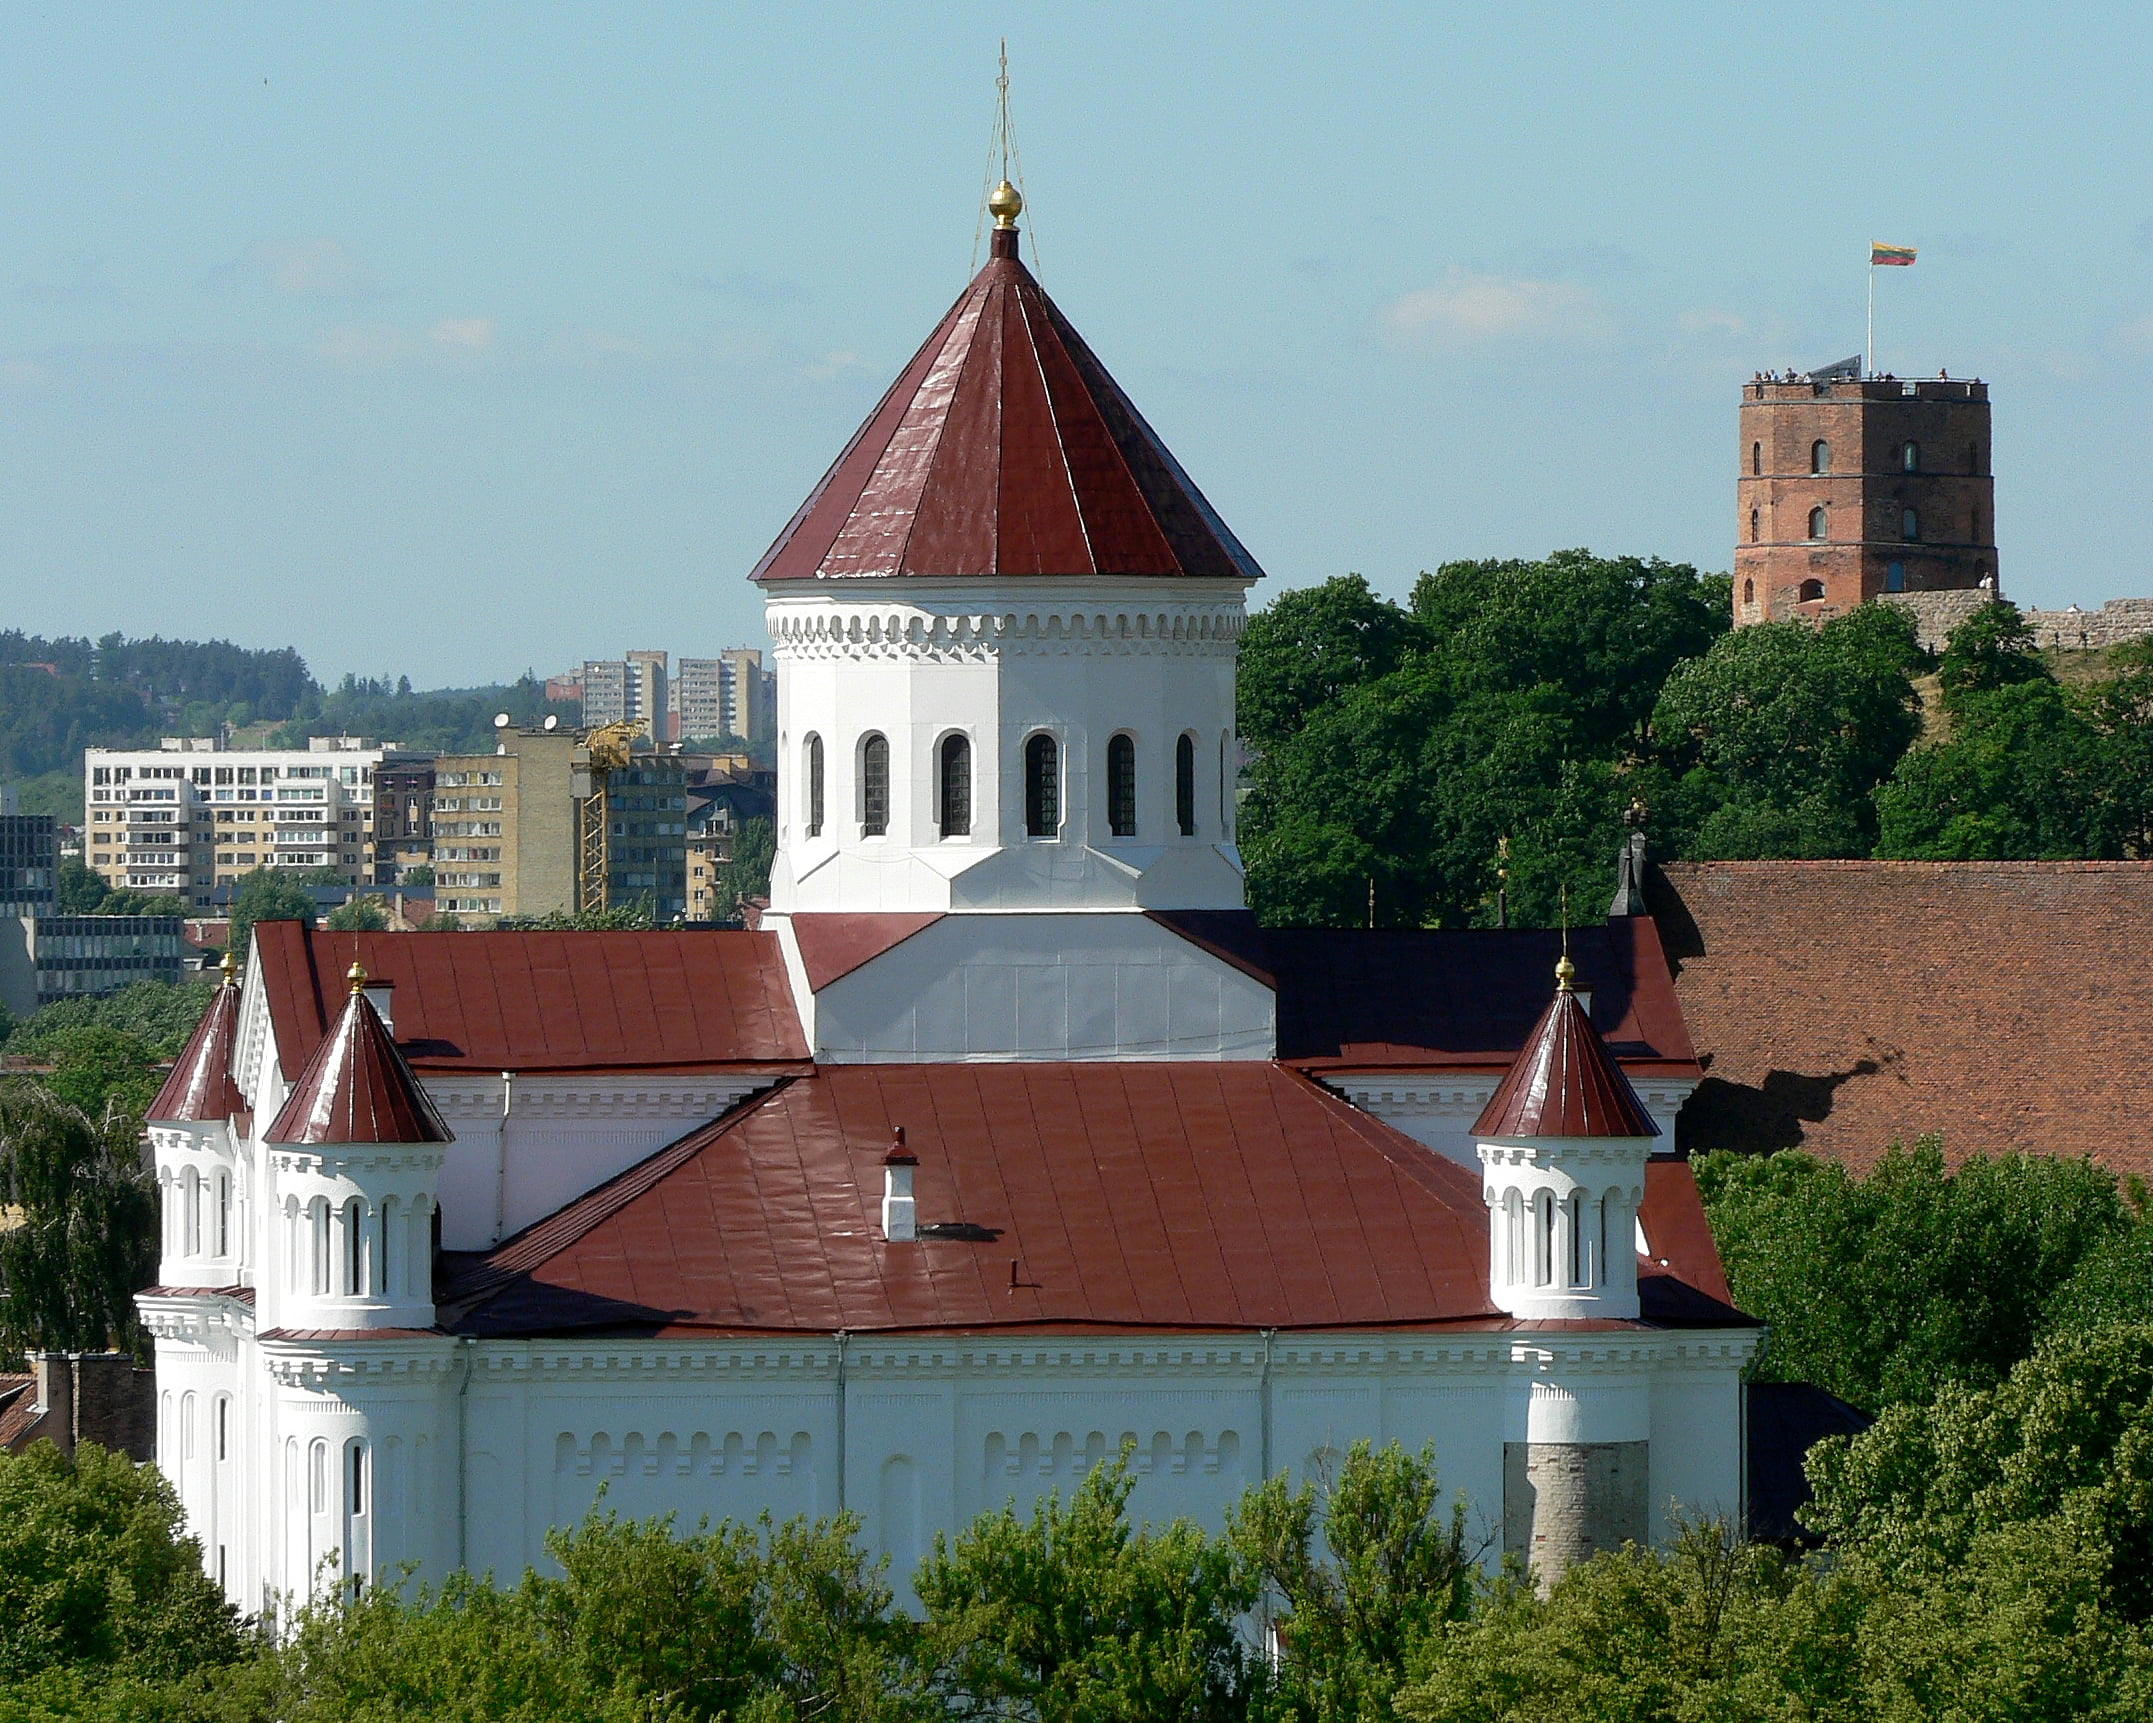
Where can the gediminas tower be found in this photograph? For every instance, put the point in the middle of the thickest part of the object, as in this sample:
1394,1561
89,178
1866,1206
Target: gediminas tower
1855,487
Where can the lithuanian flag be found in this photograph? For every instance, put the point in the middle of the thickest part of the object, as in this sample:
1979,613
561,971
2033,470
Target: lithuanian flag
1896,256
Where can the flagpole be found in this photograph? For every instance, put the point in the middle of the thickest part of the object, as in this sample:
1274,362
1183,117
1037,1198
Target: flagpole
1869,352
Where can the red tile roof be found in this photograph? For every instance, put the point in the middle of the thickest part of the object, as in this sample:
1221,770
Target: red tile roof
1004,448
665,1000
1128,1197
1846,1005
1564,1084
200,1087
1353,999
358,1089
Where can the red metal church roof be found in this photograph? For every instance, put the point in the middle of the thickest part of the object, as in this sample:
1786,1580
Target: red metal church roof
200,1089
1565,1083
357,1089
1004,448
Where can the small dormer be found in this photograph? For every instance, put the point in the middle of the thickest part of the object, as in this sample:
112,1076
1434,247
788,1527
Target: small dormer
355,1158
191,1134
1563,1144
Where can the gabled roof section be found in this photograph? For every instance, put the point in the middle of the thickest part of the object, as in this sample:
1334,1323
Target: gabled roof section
1005,449
1564,1083
1144,1196
200,1089
657,1000
358,1089
832,946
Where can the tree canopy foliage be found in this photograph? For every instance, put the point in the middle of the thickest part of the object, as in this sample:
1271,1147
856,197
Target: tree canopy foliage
1885,1288
1395,748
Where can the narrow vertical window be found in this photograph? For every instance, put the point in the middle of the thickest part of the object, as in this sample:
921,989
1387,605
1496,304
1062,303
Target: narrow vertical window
812,770
224,1214
1185,785
1756,459
1910,458
1820,456
1543,1238
1580,1254
1121,787
1042,786
874,786
1895,577
354,1249
223,1438
1819,523
956,787
1909,525
1749,592
1756,525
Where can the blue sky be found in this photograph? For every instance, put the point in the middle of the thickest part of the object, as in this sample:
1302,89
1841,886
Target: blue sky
449,340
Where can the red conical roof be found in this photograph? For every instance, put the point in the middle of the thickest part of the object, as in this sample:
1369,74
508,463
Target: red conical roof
200,1088
1004,448
358,1089
1565,1083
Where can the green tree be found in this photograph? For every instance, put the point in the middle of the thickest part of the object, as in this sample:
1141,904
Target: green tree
85,1235
95,1572
2065,1442
747,874
98,1068
159,1014
617,918
1885,1287
1312,646
79,889
2120,710
358,915
1074,1616
418,874
1362,1582
1991,649
266,894
1779,733
2023,776
2112,1283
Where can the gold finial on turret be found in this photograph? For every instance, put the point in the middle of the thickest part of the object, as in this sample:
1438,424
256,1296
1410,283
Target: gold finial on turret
1565,974
230,966
1005,203
356,975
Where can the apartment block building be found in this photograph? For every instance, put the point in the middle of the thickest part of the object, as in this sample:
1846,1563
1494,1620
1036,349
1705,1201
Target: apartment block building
506,829
403,815
192,815
729,694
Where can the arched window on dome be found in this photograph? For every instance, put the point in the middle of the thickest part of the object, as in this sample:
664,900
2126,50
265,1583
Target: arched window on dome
1042,786
355,1249
1819,523
1910,458
954,790
1121,786
1811,590
1185,785
1909,525
874,785
1820,456
811,770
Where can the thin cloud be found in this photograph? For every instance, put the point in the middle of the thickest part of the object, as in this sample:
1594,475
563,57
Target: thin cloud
1470,308
832,366
463,334
363,344
751,286
319,268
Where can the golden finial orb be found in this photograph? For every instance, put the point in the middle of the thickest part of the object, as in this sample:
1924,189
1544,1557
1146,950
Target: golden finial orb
1565,974
1005,203
356,975
230,966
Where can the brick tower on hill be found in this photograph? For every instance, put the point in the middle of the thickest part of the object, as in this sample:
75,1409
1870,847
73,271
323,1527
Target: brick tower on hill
1853,487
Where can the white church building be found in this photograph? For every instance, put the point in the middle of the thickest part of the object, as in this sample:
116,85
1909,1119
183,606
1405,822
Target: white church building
1006,1139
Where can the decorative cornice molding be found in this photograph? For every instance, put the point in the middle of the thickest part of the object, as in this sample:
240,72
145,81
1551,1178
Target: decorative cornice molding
536,1098
898,632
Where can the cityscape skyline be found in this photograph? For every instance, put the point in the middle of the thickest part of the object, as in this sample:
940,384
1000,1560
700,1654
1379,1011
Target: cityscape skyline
294,350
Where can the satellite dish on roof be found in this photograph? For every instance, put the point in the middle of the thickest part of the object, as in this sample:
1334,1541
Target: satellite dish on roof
553,722
500,720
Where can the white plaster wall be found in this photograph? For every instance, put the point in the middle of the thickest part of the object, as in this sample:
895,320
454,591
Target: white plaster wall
1696,1470
1038,986
1081,660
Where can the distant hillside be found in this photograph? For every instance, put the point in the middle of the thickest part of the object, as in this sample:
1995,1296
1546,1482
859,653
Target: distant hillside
60,696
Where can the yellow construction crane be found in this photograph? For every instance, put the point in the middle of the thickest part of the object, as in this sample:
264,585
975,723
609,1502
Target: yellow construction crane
607,748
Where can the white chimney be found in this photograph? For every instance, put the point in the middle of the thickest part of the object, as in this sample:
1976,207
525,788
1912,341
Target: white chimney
900,1216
